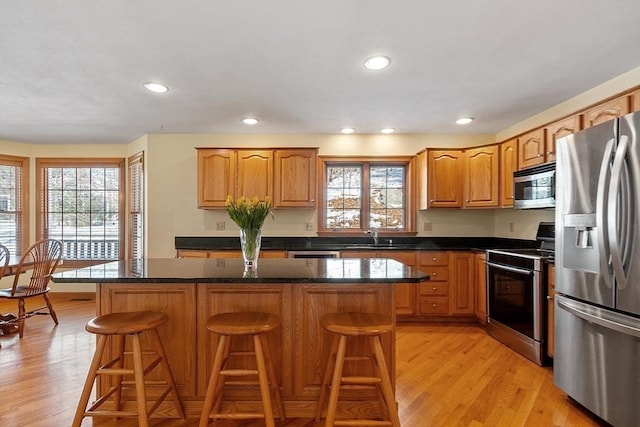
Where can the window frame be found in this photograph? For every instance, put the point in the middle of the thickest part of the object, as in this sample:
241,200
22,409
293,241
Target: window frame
41,197
365,162
132,162
22,241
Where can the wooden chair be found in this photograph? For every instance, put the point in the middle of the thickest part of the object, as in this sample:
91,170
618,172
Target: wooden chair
120,326
345,325
229,325
42,258
4,260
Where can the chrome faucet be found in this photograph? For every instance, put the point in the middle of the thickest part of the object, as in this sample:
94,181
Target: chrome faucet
373,233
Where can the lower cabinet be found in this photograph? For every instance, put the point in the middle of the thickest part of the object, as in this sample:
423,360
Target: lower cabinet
405,295
449,295
188,253
481,287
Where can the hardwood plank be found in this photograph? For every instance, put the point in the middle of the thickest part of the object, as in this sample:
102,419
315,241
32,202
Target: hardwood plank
446,375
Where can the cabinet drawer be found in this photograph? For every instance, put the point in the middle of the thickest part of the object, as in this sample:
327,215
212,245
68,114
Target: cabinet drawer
433,258
434,305
437,273
437,288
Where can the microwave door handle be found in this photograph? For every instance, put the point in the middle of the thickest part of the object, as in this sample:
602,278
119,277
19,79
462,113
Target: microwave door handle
601,214
619,211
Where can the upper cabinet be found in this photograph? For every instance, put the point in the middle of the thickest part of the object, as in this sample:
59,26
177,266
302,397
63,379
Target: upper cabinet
557,130
255,174
295,178
531,149
291,182
445,170
635,101
216,176
508,165
481,178
606,111
461,178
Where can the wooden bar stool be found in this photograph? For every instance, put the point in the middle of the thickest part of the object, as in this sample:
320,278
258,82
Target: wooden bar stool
346,325
121,325
229,325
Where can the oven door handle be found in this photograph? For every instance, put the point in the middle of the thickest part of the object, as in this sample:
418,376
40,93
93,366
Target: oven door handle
512,269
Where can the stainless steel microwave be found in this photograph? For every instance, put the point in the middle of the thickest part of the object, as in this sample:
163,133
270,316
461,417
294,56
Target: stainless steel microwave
535,188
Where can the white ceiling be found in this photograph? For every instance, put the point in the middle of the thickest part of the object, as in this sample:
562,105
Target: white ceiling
72,71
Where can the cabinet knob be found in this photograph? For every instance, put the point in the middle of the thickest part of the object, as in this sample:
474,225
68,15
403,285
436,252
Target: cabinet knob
549,152
434,305
467,200
434,274
431,200
549,297
434,258
539,154
434,288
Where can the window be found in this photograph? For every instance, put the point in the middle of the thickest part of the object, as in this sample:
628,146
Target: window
366,193
14,216
81,204
136,206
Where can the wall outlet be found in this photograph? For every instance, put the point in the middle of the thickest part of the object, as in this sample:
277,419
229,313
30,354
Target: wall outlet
427,226
220,225
510,227
309,226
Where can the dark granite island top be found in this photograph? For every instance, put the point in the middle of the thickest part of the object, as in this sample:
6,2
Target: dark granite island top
202,270
298,291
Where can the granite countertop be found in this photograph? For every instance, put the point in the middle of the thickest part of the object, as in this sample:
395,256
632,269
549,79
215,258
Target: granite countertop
205,270
356,243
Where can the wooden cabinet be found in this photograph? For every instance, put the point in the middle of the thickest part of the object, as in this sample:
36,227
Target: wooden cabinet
216,176
635,100
433,296
405,294
445,172
462,178
508,165
189,253
481,177
481,287
551,292
462,295
531,149
287,176
295,178
557,130
255,174
607,111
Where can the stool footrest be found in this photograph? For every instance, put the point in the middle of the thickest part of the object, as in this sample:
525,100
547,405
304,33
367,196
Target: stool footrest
242,383
362,423
236,416
361,380
356,358
238,372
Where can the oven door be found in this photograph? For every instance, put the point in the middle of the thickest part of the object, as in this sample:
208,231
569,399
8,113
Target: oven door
515,299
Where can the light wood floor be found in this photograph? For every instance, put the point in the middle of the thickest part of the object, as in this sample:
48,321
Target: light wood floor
447,375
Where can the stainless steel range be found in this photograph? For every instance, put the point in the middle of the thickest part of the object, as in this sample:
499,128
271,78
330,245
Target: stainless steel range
516,288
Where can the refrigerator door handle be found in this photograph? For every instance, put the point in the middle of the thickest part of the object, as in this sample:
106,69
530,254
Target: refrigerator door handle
584,314
601,214
615,186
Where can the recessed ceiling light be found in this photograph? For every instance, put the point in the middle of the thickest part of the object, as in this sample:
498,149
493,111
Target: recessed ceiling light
347,130
156,87
377,62
464,120
250,121
387,130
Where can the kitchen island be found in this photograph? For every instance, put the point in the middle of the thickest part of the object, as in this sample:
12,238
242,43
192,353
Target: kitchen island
299,291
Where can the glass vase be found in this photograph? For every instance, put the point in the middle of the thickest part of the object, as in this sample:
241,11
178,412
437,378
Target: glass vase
250,239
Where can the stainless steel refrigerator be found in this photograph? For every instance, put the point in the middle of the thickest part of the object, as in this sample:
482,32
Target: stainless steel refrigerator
597,257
